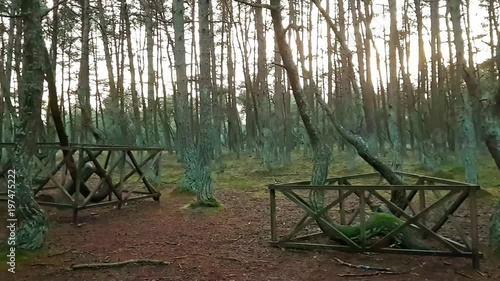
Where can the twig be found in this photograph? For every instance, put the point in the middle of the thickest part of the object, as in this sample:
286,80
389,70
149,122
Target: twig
277,64
42,264
255,5
236,239
116,264
371,273
58,253
379,272
365,267
463,274
186,256
480,273
230,258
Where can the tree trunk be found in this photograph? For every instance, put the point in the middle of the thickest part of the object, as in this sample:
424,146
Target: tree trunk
322,154
32,224
182,108
152,132
465,113
392,101
204,178
135,100
83,75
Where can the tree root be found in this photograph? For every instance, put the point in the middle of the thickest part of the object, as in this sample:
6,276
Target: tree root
117,264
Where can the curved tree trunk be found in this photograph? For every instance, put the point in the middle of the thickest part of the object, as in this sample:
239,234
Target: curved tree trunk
398,196
321,152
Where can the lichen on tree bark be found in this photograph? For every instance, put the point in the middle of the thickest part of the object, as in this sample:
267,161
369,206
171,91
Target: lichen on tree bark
32,225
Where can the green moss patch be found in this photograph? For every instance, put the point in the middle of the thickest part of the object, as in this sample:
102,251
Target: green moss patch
210,203
248,173
21,256
182,192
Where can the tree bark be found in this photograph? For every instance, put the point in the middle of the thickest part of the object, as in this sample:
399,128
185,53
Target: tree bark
322,153
182,108
32,223
465,113
204,178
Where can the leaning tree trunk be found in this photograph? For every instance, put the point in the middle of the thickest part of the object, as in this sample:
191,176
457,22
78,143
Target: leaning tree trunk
32,225
385,171
321,152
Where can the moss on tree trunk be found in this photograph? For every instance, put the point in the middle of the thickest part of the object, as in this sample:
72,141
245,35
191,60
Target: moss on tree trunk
379,225
32,225
494,228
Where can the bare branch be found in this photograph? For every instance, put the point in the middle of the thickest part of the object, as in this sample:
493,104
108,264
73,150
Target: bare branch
42,14
279,65
255,5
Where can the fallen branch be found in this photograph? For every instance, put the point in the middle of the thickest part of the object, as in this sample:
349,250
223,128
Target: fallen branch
480,273
371,273
236,239
181,257
463,274
230,258
383,271
365,267
117,264
42,264
58,253
186,256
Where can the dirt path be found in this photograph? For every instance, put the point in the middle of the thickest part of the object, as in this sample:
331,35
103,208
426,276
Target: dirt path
229,244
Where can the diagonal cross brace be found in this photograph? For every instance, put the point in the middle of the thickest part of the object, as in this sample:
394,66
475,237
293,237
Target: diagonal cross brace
44,169
308,219
138,167
93,191
104,173
300,202
454,223
53,172
414,221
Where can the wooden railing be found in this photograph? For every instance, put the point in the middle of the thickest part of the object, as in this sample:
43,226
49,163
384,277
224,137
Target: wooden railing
414,215
113,165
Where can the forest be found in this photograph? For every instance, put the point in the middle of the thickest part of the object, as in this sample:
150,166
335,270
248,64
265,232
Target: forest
278,140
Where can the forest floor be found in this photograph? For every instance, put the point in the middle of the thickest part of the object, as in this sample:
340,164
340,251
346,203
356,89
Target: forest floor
229,243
